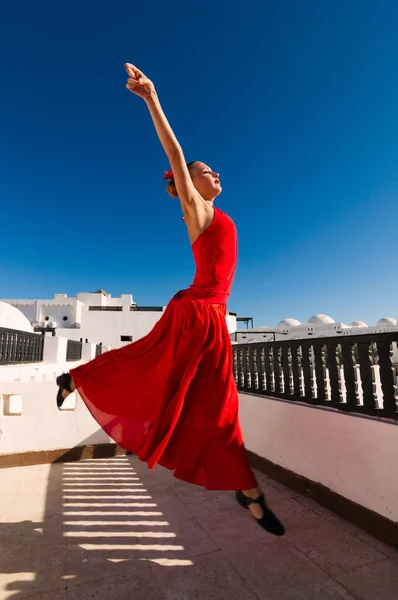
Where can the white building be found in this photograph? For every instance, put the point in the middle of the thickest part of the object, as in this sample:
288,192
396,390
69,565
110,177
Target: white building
96,317
319,325
12,318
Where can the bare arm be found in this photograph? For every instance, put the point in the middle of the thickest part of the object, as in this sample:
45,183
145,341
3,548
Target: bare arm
143,87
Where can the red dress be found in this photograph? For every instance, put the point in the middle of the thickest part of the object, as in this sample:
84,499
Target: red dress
170,397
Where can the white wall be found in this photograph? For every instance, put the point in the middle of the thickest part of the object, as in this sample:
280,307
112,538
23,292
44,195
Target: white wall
354,456
41,426
96,326
107,327
36,311
97,299
231,323
56,313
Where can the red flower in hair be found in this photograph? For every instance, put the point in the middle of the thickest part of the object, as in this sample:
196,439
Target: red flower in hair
168,175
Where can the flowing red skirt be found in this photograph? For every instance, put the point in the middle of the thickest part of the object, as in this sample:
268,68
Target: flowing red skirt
170,397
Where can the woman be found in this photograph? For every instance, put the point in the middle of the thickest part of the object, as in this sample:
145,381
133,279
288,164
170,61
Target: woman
171,397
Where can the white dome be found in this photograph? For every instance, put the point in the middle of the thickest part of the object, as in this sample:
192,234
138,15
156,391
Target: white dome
386,321
320,320
358,324
289,323
13,318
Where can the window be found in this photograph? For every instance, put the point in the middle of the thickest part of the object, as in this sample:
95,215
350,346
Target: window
126,338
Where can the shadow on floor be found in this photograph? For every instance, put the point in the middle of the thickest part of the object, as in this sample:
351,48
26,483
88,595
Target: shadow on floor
102,518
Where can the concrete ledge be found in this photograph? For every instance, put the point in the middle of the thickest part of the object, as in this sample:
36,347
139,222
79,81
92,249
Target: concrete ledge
25,459
380,527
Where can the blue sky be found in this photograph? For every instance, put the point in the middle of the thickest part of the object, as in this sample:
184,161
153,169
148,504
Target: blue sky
294,103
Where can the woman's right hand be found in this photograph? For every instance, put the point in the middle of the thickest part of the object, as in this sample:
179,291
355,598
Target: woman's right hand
138,83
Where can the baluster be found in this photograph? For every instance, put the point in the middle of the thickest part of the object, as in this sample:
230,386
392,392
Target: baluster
244,368
319,372
2,345
16,352
306,349
365,368
387,379
277,370
301,372
269,368
241,377
349,377
248,373
253,367
261,368
292,378
296,371
12,347
23,348
334,374
235,364
312,374
286,368
7,346
325,372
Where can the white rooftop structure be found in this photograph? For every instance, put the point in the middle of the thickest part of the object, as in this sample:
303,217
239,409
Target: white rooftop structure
319,325
289,323
320,320
387,322
92,316
12,318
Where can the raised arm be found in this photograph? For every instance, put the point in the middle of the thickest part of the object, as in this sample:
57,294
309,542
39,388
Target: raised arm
140,85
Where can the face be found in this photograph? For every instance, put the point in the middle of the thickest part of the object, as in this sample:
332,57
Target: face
206,181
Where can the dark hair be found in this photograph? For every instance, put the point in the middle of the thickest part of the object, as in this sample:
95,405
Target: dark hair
171,187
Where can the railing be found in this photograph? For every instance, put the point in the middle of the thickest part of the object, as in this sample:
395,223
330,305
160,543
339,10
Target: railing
73,350
20,347
98,349
120,308
106,308
147,308
354,374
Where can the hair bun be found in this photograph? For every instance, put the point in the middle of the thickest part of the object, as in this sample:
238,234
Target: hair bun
171,189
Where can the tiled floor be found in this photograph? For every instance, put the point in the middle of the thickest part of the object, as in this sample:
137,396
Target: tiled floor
109,529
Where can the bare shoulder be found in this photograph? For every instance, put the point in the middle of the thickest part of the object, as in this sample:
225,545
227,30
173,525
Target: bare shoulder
198,216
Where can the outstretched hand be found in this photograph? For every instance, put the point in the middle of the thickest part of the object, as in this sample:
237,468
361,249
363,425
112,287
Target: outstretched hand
138,83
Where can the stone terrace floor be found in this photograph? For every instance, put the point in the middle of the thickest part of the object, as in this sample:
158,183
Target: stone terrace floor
109,529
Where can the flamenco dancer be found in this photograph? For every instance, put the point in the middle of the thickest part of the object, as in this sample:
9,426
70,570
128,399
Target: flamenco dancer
170,397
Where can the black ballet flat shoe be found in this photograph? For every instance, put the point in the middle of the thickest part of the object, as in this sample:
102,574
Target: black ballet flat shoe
63,383
268,521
